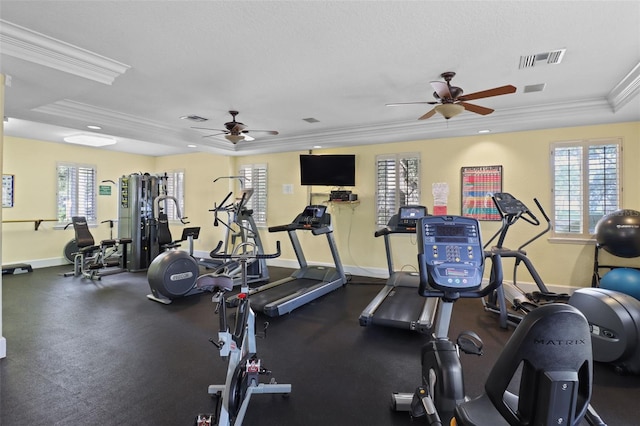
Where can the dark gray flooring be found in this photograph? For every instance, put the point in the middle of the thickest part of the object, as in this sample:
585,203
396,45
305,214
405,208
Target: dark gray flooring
82,352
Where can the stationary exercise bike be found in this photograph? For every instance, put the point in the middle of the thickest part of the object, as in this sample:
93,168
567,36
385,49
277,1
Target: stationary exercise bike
552,344
238,345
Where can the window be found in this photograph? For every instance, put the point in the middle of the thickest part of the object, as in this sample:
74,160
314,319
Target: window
254,176
76,192
397,184
586,184
175,188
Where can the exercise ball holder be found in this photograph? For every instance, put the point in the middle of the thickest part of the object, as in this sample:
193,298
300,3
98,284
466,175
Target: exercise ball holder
617,233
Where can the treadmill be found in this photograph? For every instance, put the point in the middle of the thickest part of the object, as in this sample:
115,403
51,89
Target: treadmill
308,282
398,304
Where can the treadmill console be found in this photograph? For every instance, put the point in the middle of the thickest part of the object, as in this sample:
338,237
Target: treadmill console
313,216
451,257
408,216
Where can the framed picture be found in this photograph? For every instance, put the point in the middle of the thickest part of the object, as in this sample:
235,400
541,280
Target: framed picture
478,186
7,190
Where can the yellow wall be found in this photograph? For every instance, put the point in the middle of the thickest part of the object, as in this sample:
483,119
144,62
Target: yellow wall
33,163
524,157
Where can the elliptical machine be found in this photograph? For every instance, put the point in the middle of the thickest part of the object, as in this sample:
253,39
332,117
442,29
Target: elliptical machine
238,344
172,274
240,228
511,210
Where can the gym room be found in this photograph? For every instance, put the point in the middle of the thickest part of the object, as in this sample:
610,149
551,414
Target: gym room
430,207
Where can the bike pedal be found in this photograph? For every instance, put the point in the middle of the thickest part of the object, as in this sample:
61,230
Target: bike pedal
470,343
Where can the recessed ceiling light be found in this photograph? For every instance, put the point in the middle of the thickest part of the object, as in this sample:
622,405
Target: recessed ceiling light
93,127
90,140
192,146
484,131
317,146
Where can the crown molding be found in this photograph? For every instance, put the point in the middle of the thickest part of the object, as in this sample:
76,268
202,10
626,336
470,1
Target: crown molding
531,117
28,45
624,91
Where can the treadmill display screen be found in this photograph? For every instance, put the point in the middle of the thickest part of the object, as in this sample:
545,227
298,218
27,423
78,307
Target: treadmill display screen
314,211
412,212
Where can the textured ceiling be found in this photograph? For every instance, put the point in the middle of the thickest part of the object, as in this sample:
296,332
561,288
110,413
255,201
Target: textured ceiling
278,63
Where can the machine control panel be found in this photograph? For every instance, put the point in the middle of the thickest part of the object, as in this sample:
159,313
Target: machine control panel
408,216
451,254
508,204
312,216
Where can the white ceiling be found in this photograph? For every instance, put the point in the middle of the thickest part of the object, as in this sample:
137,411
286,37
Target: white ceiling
135,67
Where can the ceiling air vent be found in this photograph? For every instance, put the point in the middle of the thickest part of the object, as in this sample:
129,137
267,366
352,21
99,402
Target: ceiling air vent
534,88
553,57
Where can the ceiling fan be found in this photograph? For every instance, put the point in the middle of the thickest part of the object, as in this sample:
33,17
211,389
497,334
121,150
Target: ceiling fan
235,131
450,101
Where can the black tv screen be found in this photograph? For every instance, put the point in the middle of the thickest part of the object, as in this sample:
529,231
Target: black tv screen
328,170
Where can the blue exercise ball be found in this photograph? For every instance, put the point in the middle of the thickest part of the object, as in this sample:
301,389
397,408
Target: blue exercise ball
624,280
619,233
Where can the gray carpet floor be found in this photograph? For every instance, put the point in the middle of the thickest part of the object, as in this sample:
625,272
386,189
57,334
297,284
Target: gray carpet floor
83,353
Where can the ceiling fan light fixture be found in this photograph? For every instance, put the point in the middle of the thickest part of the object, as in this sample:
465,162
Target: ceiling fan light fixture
234,139
449,110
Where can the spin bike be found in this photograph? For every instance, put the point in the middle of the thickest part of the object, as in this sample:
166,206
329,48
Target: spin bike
238,345
451,264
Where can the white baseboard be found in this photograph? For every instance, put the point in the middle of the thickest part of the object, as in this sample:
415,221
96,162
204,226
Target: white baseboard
371,272
43,263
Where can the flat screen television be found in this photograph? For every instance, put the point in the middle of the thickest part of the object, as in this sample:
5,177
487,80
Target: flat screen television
328,170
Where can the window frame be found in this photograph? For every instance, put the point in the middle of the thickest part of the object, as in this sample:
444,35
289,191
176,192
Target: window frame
258,201
382,202
177,192
585,234
91,194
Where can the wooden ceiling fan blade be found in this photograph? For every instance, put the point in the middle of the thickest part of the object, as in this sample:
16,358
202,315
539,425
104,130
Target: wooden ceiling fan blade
496,91
442,89
427,115
410,103
476,108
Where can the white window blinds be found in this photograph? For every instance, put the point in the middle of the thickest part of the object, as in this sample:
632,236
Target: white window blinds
397,184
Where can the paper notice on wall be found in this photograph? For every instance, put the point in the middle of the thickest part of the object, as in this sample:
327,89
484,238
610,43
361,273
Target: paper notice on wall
440,193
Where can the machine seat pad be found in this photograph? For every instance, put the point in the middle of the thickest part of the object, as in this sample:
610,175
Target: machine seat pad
125,241
88,249
108,243
479,412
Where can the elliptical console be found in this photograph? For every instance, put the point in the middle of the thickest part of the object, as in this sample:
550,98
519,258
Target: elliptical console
451,253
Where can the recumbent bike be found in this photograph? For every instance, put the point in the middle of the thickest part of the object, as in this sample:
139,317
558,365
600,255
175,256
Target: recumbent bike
550,349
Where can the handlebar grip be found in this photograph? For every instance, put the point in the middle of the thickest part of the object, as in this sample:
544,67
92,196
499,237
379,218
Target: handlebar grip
542,210
382,231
